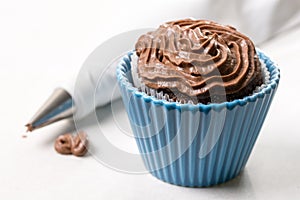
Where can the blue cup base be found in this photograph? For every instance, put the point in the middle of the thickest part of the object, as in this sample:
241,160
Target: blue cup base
198,184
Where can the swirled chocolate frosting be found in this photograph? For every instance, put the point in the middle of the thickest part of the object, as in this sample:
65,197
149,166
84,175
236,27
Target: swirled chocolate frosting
69,144
198,60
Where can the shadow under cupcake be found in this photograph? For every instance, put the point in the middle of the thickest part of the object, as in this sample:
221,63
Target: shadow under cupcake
196,94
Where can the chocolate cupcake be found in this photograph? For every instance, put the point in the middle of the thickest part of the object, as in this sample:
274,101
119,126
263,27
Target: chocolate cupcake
196,93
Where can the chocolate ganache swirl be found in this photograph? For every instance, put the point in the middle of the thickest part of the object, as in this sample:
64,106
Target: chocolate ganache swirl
198,60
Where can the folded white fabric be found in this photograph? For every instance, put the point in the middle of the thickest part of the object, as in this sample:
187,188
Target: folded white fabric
259,19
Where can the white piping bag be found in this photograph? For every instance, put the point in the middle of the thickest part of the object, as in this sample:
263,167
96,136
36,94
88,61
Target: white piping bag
92,87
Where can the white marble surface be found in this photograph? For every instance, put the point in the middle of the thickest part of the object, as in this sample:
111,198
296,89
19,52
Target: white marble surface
34,57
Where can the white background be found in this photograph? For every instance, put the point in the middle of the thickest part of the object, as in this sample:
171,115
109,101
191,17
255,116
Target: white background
43,42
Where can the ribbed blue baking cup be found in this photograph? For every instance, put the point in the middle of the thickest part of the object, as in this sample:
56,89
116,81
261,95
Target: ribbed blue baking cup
178,142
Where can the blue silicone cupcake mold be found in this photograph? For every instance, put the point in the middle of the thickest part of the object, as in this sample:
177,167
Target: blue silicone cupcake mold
195,145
